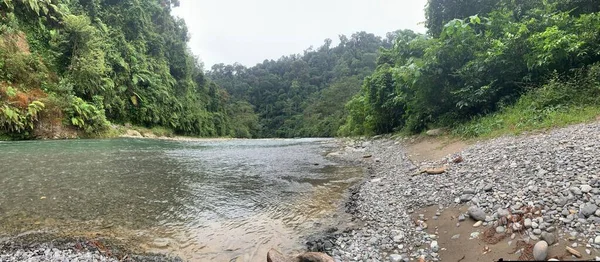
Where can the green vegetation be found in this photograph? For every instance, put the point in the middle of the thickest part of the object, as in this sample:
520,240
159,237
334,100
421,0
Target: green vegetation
559,103
77,64
300,95
487,67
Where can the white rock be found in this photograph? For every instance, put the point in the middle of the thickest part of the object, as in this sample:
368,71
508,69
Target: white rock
527,222
434,246
540,251
478,224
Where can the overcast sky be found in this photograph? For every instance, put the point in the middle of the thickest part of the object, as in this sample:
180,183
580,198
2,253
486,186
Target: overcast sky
250,31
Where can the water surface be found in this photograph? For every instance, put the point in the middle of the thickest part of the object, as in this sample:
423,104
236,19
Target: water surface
202,200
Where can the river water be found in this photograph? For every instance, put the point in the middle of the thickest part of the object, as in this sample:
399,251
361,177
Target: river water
200,200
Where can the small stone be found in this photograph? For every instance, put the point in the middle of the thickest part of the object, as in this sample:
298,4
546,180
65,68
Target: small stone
540,251
461,218
396,258
487,188
575,191
597,240
500,229
466,198
476,213
586,188
527,223
588,209
589,252
469,191
399,238
534,225
434,246
478,224
537,231
549,238
457,236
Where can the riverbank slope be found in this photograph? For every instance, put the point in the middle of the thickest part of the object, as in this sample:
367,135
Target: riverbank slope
524,189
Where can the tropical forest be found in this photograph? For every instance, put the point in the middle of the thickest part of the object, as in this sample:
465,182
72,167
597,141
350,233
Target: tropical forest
83,65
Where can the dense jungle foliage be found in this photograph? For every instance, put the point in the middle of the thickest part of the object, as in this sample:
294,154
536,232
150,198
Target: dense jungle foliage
301,95
485,65
77,64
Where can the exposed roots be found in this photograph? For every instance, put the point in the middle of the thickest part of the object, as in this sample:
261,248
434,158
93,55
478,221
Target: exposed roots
527,250
490,236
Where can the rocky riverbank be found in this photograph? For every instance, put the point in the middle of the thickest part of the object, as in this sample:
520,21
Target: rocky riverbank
40,247
497,200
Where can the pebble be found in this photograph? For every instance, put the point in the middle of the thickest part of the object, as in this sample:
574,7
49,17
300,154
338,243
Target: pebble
478,224
396,258
540,251
500,230
434,246
588,209
549,238
527,223
477,213
597,240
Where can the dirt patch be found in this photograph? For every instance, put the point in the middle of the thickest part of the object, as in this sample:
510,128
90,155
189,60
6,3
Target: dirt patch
17,42
464,248
422,149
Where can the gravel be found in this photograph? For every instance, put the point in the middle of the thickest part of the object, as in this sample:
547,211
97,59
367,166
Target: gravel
552,179
39,246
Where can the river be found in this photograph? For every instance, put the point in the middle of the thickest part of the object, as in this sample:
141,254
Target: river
200,200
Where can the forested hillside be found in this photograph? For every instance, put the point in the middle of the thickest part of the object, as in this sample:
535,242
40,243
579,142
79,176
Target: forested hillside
490,64
75,65
300,95
483,66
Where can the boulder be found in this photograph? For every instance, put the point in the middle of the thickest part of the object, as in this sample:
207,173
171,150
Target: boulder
275,256
314,257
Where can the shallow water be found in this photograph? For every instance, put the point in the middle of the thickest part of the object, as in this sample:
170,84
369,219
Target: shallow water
215,201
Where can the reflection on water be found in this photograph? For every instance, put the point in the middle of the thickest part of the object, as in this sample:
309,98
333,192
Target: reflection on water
200,200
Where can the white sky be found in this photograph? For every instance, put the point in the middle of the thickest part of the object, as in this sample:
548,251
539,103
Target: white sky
250,31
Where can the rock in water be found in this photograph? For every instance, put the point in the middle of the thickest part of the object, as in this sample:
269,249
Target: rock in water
274,256
476,213
588,209
315,257
540,251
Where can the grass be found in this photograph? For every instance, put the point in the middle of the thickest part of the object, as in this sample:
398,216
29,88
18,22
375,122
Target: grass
559,103
515,121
